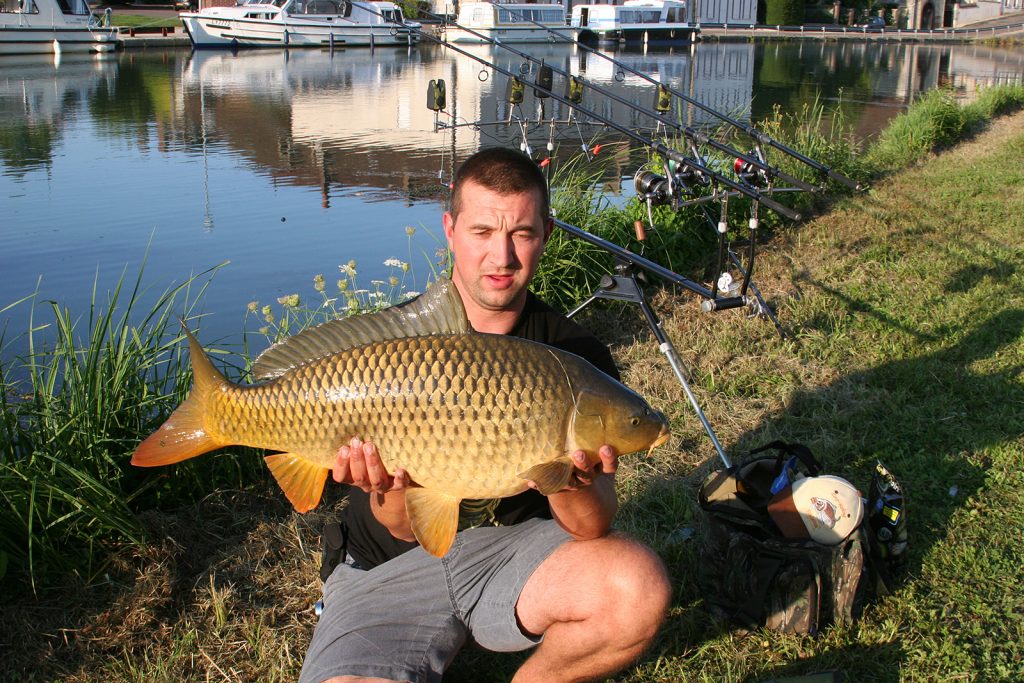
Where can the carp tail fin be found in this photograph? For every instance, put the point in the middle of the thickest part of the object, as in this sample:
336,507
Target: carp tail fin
179,438
183,435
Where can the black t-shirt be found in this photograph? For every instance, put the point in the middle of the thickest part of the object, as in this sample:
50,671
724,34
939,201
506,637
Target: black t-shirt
370,543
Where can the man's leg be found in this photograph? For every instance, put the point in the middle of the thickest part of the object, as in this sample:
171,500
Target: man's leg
598,603
392,623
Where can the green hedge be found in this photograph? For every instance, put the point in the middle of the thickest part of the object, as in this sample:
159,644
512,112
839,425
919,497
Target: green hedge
785,12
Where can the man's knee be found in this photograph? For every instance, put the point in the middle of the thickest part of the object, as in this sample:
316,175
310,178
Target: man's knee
638,586
615,584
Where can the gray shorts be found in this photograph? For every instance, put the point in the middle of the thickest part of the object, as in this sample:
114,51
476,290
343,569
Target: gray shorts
406,619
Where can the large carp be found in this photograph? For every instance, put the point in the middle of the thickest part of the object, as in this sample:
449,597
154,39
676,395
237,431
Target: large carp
468,415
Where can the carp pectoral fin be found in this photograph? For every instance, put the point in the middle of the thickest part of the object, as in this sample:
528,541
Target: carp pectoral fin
301,480
550,477
434,517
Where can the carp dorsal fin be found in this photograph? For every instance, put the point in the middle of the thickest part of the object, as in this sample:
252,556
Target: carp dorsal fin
438,310
301,480
434,517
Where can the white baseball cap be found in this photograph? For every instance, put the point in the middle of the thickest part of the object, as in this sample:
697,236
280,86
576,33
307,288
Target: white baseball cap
825,509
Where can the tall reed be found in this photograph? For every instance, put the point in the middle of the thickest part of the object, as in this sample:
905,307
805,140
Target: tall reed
73,410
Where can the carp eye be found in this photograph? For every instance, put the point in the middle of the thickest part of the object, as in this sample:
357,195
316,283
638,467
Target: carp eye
635,421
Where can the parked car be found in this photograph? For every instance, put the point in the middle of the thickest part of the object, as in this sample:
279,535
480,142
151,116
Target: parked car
874,22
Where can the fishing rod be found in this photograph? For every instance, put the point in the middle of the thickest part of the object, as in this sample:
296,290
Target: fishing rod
625,286
657,189
759,137
696,169
690,169
697,137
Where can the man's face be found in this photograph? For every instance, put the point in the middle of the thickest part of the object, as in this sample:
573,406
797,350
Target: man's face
497,242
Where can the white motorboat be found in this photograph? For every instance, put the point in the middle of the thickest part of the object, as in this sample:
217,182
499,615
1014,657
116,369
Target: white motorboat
300,23
508,22
635,22
53,27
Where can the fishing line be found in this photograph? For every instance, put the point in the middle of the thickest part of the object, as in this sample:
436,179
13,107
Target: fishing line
662,106
657,147
758,136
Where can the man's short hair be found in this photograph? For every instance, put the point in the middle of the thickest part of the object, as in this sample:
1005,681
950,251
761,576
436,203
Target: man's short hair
502,170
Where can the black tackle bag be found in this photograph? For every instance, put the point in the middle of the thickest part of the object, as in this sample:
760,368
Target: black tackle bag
752,576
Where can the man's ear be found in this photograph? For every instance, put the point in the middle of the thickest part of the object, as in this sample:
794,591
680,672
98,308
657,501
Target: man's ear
549,226
449,227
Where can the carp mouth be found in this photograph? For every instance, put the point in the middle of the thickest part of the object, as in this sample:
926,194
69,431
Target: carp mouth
662,438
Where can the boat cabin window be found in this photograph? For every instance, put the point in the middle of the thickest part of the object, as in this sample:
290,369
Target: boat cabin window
640,16
526,15
73,7
330,7
393,16
26,7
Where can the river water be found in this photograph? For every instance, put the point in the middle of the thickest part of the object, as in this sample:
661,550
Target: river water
288,164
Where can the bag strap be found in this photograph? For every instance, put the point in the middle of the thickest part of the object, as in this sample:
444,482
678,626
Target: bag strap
335,545
756,494
796,449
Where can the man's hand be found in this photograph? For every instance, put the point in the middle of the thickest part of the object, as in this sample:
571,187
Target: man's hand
585,474
358,463
586,507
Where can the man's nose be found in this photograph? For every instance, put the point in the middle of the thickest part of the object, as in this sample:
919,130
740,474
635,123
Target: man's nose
503,251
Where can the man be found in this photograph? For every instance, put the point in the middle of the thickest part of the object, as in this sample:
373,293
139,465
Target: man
551,573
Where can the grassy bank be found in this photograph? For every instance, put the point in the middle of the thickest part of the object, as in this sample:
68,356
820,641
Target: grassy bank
144,21
904,309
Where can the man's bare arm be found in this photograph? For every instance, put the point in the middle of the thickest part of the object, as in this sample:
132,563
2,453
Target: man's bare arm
586,508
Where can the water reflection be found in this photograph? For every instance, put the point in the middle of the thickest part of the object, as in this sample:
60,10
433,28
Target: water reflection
358,118
38,94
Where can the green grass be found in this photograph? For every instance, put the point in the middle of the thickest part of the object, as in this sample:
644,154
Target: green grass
905,313
144,21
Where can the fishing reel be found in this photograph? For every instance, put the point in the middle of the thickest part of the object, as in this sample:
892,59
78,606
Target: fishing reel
750,173
668,189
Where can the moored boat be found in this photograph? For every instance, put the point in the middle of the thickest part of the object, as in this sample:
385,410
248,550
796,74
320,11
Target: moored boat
300,23
508,22
635,22
53,26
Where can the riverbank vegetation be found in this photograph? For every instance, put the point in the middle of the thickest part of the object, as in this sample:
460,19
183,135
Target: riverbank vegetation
903,311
